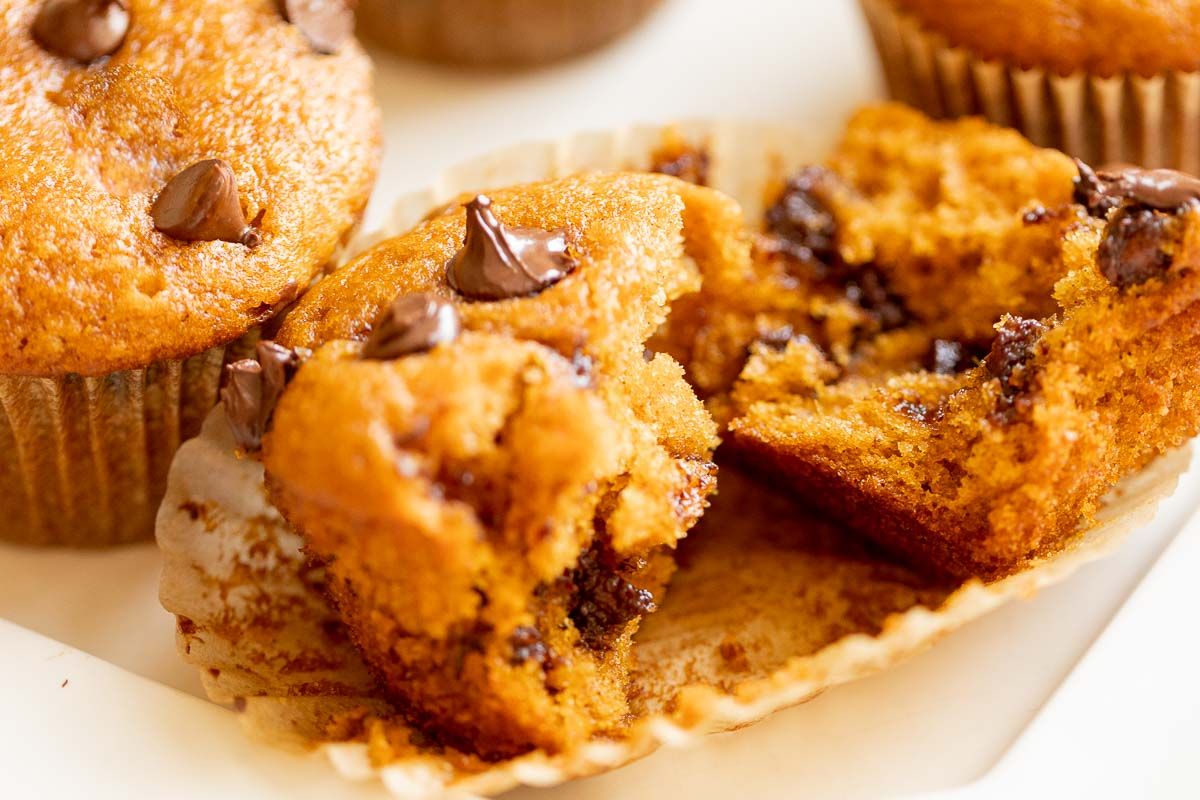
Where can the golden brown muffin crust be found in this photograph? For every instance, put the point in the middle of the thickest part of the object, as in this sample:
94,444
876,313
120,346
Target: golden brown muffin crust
1102,37
87,284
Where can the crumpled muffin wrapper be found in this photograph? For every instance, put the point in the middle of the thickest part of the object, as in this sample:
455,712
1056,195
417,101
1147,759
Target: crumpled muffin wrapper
84,459
770,605
498,32
1125,118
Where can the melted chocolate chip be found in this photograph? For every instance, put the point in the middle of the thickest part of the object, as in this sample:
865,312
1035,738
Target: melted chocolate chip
686,164
83,30
327,24
867,286
201,204
604,600
1133,249
497,262
252,388
1162,189
412,323
527,645
800,220
1015,344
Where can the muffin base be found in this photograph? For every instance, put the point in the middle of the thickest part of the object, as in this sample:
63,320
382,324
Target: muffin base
1152,122
83,460
498,32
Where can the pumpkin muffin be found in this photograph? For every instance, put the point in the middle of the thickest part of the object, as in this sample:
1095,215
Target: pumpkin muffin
1109,81
174,174
505,33
1046,323
484,455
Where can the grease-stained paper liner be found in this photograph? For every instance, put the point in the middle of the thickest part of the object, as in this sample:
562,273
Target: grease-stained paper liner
83,460
770,605
498,32
1150,121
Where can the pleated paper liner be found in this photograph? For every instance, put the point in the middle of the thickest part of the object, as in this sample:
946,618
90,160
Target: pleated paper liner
770,605
498,32
1153,122
83,460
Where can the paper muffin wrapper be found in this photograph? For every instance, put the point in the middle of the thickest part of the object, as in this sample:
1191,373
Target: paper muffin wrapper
498,32
84,460
1127,118
769,606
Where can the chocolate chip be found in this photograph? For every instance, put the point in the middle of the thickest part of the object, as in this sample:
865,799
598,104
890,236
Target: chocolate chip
1162,189
201,204
686,163
412,323
1015,344
327,24
252,388
801,221
604,599
866,286
1133,249
83,30
497,262
527,645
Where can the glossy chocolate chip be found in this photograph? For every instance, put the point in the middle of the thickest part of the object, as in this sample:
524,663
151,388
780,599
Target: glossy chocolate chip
800,220
201,204
252,388
1014,346
1135,245
1163,189
327,24
412,324
83,30
497,262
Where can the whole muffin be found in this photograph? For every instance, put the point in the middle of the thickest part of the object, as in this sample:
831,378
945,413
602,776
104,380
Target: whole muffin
174,173
1104,80
498,32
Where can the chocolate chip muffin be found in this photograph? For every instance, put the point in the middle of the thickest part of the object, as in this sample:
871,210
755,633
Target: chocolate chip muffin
498,32
1037,342
1109,81
175,173
486,459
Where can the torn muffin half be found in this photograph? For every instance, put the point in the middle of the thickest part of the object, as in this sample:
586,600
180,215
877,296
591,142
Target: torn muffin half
983,337
488,463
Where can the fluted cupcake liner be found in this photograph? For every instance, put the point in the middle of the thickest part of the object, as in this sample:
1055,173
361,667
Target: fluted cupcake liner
758,618
83,460
498,32
1127,118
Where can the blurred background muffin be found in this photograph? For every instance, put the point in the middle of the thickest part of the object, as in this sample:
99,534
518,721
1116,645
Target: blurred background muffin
498,32
1104,80
174,174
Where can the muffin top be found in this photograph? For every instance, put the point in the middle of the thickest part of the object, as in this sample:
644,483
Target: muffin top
110,258
1102,37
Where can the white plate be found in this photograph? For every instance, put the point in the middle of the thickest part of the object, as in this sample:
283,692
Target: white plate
118,728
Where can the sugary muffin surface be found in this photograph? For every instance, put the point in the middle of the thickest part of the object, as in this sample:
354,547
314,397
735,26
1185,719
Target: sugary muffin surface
87,282
1102,37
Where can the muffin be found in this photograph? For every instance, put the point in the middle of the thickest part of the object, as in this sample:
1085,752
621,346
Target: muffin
1106,82
1038,345
176,174
489,465
498,32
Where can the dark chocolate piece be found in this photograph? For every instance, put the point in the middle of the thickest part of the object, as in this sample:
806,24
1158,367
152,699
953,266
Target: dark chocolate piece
252,388
497,262
1162,189
801,222
1133,248
604,599
412,323
1015,344
201,204
327,24
527,645
867,286
82,30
